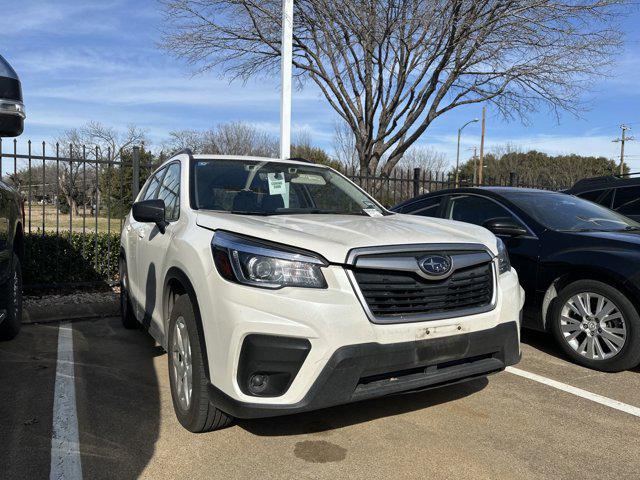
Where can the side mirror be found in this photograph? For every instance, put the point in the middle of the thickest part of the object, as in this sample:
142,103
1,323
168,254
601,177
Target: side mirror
150,211
505,226
12,113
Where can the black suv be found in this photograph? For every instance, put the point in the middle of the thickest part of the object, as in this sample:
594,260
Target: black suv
11,209
619,193
578,262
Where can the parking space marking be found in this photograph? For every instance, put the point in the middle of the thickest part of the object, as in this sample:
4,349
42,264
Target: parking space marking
65,443
594,397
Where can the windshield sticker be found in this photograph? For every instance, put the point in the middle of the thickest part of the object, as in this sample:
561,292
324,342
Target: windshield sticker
277,184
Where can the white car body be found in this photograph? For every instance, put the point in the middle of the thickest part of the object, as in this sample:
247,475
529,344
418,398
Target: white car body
330,318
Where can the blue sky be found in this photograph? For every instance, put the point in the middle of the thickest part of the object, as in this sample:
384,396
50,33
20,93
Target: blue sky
98,60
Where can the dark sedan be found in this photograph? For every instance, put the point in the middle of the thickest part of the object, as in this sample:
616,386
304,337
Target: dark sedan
578,262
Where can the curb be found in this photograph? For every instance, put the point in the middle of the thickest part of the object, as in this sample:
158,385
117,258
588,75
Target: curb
72,311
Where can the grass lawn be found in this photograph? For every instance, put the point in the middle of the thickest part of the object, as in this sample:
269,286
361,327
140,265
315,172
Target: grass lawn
56,221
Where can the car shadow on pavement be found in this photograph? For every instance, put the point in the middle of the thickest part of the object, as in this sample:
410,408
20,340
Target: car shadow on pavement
117,396
360,412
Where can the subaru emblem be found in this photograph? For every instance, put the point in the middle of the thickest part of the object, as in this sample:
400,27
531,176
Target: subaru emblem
435,265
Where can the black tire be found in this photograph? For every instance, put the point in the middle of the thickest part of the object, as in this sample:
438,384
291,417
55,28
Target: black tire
129,320
629,355
11,293
201,415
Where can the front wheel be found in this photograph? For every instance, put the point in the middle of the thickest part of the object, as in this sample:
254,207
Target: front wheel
597,326
187,375
11,302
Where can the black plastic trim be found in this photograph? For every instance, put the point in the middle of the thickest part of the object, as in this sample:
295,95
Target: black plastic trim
343,380
278,358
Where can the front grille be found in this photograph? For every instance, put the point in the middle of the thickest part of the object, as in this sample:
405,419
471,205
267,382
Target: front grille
403,293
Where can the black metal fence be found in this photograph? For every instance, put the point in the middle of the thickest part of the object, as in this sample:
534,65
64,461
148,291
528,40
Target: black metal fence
76,199
403,184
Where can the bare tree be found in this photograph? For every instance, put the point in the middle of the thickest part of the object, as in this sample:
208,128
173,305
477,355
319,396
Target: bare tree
344,145
233,138
198,141
426,158
390,67
77,179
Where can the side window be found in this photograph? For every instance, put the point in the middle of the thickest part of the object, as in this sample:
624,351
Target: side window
592,196
475,209
627,200
427,208
602,197
170,192
152,187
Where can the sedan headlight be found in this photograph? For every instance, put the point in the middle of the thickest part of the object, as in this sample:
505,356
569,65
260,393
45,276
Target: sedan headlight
251,262
504,265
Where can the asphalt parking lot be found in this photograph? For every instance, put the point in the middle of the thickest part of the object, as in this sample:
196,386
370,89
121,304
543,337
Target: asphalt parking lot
506,426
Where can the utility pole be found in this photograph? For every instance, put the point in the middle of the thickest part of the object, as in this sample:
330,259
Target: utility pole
622,140
475,164
481,159
286,52
458,151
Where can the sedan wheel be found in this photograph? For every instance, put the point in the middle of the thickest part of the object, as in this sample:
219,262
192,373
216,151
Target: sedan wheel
181,361
593,326
596,325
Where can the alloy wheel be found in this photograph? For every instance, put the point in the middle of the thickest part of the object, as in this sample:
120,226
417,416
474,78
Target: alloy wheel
181,361
593,326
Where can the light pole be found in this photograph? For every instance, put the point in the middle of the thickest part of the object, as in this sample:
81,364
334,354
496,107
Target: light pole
286,52
458,154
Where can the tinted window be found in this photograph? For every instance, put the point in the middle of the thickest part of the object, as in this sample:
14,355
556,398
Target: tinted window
152,187
427,208
627,200
592,196
603,197
475,209
559,211
170,192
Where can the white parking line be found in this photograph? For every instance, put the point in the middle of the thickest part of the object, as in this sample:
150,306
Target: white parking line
594,397
65,443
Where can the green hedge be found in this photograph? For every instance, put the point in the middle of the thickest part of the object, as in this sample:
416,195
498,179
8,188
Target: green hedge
70,258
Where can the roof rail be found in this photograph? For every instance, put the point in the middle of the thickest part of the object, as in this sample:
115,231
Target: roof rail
300,159
627,175
186,151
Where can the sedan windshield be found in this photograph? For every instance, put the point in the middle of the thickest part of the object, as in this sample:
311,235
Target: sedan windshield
559,211
254,187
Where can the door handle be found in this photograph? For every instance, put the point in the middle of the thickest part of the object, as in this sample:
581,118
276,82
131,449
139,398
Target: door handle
141,233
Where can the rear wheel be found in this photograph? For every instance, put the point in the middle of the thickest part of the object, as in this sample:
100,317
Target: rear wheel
126,309
187,374
597,326
11,302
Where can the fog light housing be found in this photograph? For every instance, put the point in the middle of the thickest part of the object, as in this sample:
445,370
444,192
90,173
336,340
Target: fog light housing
269,364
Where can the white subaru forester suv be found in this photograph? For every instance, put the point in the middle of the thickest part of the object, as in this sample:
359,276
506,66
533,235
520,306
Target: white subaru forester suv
280,286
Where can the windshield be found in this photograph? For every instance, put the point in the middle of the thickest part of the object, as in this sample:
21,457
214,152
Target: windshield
558,211
253,187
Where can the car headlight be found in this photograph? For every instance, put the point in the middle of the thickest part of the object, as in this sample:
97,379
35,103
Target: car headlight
504,265
252,262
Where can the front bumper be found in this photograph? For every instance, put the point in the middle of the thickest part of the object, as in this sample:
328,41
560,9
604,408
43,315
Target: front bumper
369,370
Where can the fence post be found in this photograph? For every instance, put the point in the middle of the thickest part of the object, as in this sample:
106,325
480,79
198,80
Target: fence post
135,188
416,182
512,179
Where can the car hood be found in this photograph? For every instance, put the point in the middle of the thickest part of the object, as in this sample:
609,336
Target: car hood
333,236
